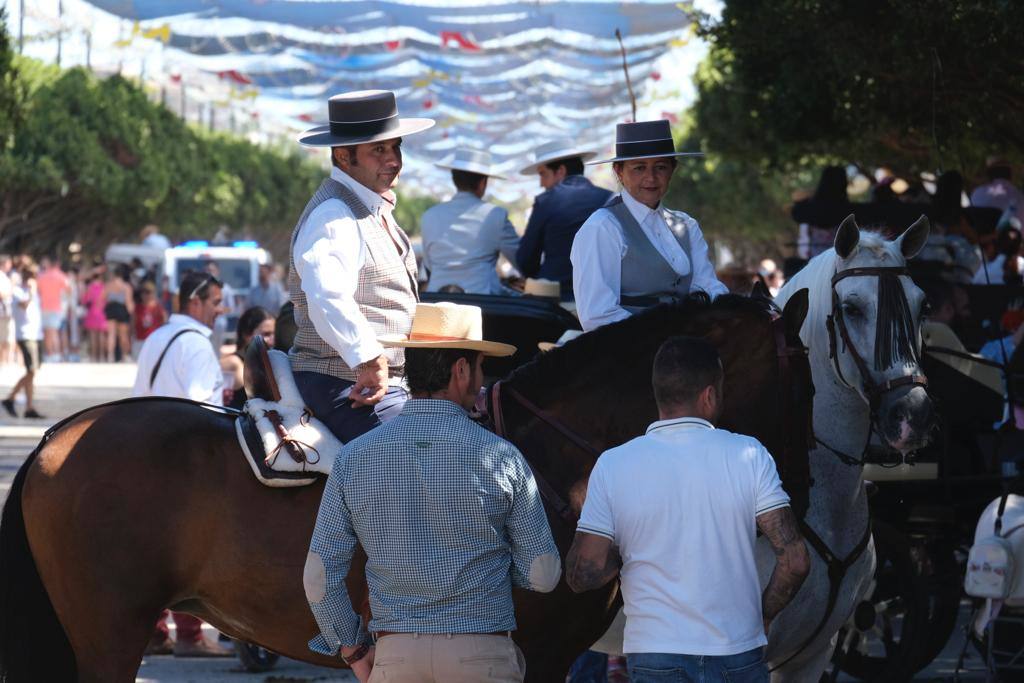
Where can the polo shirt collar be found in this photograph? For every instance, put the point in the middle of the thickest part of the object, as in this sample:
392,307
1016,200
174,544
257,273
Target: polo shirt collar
679,423
433,406
373,201
641,212
182,320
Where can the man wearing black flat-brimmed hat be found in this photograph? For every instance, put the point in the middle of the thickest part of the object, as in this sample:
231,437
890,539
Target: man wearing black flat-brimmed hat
634,252
353,273
464,236
558,212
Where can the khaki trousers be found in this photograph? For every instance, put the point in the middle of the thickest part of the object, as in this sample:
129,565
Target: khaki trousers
447,658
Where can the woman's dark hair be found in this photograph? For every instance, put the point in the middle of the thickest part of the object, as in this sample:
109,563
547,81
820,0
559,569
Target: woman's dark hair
946,208
247,324
123,271
832,185
430,370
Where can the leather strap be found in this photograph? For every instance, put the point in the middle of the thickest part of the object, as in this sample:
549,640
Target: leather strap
836,573
160,360
547,492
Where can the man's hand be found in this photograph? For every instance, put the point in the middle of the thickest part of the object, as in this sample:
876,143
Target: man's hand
364,666
371,376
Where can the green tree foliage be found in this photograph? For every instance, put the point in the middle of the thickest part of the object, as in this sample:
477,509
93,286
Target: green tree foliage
929,84
10,94
92,160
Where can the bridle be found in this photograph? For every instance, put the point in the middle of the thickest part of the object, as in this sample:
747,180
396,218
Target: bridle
893,299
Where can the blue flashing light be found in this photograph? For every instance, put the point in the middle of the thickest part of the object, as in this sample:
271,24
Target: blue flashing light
196,243
246,244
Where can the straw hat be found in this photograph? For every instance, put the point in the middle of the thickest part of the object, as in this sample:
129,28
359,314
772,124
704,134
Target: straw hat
446,325
471,160
556,150
362,116
567,336
541,287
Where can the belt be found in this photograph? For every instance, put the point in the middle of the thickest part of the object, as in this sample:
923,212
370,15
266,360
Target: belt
380,634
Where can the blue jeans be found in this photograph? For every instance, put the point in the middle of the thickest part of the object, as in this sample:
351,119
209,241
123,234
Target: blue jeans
327,397
746,667
590,667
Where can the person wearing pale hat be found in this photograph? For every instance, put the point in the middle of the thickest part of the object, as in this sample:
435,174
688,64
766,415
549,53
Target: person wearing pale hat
558,212
450,519
353,272
464,236
635,252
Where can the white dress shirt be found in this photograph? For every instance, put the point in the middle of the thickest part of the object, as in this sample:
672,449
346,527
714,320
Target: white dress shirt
462,239
598,250
328,254
190,368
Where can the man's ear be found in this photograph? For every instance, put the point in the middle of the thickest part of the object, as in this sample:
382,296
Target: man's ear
340,155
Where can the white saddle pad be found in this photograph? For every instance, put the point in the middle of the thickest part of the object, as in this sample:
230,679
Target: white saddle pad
318,445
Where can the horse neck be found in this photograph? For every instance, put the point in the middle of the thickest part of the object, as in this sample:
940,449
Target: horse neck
838,504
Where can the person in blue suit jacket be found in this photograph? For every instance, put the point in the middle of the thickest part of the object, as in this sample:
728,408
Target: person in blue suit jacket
558,212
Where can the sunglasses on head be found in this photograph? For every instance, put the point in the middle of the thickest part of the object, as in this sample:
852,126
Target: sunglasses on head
203,284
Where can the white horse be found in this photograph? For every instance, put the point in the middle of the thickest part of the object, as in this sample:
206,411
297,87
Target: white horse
872,381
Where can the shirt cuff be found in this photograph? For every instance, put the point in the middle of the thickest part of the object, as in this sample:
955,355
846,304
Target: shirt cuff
328,644
587,529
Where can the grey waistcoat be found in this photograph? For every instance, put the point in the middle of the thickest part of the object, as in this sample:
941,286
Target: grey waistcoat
386,292
647,278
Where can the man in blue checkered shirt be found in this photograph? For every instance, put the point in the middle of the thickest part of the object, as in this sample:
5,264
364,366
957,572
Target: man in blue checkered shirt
450,519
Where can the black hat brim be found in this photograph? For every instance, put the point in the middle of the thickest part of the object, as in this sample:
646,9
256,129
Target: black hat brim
645,156
321,136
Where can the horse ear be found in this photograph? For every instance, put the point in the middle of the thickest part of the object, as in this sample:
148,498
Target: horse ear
847,237
794,313
760,291
914,238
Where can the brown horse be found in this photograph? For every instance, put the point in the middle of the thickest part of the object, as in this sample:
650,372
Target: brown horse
129,508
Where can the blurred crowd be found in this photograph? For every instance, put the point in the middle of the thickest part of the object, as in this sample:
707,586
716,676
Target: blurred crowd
103,312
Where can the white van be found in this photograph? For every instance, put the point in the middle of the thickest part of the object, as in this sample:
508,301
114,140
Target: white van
239,264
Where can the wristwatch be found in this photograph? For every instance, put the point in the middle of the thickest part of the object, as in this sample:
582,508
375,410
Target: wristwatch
360,652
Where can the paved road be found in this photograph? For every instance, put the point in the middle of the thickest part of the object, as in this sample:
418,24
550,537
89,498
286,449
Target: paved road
66,388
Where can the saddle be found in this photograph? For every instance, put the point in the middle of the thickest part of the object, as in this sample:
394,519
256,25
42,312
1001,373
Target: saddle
282,441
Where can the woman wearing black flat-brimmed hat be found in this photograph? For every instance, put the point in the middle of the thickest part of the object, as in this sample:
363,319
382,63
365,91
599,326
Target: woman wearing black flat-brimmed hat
634,252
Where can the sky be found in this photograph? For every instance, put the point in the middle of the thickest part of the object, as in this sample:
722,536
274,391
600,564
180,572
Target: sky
267,114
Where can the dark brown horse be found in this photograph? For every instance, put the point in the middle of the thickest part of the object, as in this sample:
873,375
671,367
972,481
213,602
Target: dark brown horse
128,508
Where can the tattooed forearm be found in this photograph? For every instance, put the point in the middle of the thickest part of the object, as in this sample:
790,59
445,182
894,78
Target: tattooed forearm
792,560
591,563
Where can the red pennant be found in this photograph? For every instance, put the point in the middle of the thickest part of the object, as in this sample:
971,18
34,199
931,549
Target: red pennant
392,45
235,76
460,41
175,78
308,118
656,75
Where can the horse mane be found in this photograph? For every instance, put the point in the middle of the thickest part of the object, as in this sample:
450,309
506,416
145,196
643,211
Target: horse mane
538,378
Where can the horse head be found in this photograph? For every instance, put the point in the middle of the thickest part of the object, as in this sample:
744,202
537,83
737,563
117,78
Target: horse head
875,330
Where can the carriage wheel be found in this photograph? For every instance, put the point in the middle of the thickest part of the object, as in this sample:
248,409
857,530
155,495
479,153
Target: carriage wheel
254,658
889,629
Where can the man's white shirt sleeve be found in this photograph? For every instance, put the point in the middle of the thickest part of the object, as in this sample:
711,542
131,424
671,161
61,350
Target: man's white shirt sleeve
596,517
328,253
770,494
596,257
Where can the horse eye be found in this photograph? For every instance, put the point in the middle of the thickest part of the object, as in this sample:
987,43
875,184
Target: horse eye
926,309
852,311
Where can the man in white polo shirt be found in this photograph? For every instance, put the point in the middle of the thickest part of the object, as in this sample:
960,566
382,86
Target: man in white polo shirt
674,512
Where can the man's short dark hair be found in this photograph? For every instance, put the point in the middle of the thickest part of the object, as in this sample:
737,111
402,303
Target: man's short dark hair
195,285
353,160
466,181
573,166
999,172
684,367
430,370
